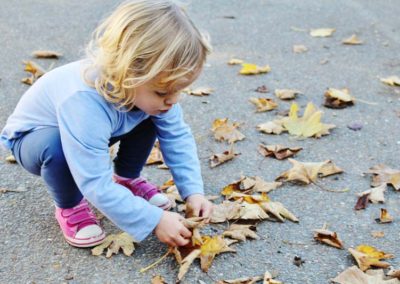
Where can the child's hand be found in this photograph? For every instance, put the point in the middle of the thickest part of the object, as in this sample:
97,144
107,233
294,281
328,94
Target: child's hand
171,231
200,206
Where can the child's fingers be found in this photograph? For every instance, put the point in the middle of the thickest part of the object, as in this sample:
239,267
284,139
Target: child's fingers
185,232
180,241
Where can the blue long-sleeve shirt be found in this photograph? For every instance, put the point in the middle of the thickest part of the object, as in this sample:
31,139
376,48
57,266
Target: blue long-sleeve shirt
87,122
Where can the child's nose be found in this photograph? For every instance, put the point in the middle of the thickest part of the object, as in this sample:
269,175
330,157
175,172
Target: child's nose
172,100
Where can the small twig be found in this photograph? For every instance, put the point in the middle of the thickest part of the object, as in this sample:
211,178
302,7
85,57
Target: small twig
4,190
328,189
291,243
157,262
366,102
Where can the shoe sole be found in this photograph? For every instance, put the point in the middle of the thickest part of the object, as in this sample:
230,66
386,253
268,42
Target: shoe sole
87,242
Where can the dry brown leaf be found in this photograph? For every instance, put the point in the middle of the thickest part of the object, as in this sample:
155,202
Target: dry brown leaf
46,54
328,237
279,152
353,40
158,279
226,211
271,127
35,69
375,194
335,98
114,243
199,92
155,156
279,211
253,212
253,69
391,80
225,130
268,279
325,32
384,217
353,275
362,202
240,232
299,48
264,104
308,172
235,61
249,185
367,256
286,94
383,174
394,273
218,159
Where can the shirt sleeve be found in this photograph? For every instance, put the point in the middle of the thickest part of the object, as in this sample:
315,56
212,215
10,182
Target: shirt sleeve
179,150
85,126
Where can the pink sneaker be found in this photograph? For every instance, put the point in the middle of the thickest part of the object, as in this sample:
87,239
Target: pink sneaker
80,225
150,192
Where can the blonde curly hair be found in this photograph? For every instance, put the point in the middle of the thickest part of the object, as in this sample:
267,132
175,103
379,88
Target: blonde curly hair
139,41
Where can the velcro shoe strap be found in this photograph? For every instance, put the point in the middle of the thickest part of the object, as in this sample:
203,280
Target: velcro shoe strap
80,217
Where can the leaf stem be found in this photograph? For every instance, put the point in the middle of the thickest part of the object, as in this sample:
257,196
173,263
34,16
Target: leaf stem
157,262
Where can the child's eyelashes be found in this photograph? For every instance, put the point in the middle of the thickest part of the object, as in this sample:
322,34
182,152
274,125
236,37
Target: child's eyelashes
161,94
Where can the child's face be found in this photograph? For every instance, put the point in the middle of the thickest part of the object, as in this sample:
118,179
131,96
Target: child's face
154,100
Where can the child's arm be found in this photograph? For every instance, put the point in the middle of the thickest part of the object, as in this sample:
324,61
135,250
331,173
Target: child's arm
86,124
180,154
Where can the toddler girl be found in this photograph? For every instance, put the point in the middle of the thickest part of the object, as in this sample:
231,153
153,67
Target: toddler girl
126,90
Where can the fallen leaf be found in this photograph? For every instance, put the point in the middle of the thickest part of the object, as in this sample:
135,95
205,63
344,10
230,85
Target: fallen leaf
11,159
225,130
240,232
279,152
218,159
362,202
35,69
155,156
264,104
262,89
335,98
299,48
308,172
279,211
253,212
353,275
375,194
327,32
353,40
271,127
158,279
268,279
384,217
394,273
235,61
250,185
286,94
46,54
391,80
199,92
307,126
114,243
383,174
225,211
367,256
328,237
252,69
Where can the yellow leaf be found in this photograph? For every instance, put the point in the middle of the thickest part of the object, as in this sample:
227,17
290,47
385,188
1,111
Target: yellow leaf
210,248
367,256
307,126
264,104
225,130
336,98
252,69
